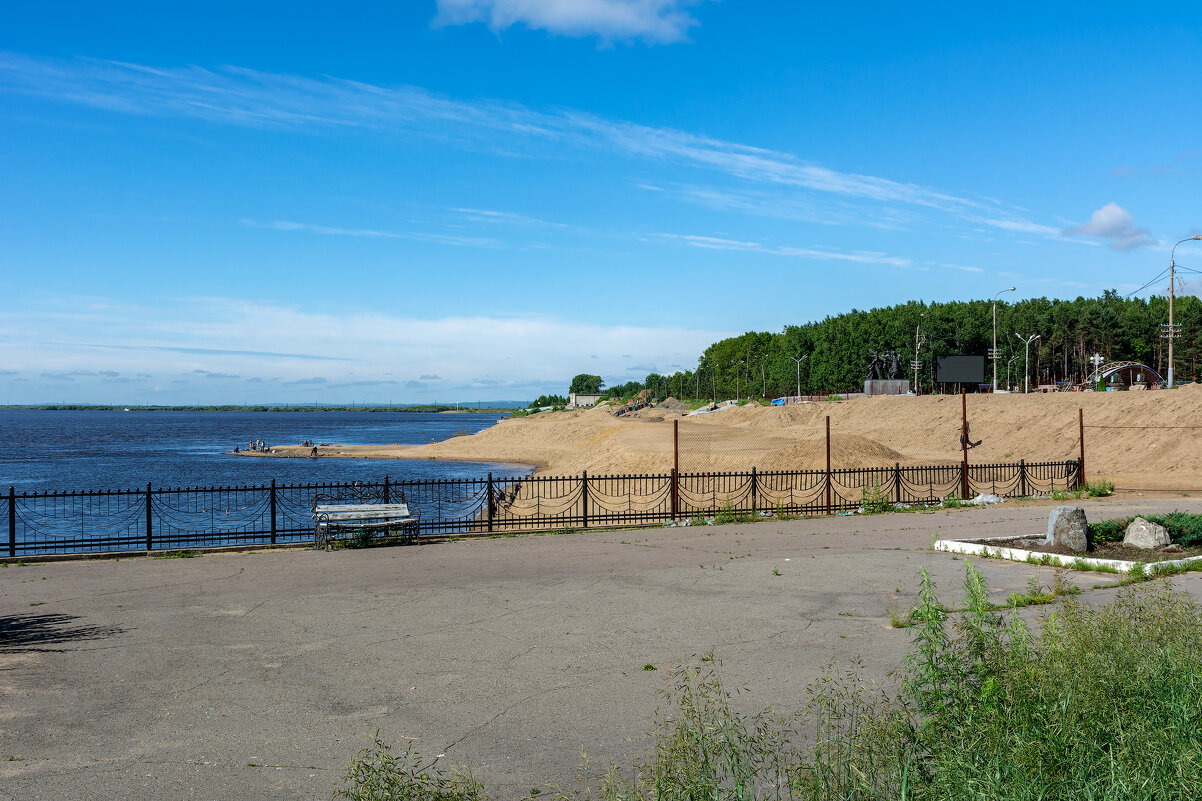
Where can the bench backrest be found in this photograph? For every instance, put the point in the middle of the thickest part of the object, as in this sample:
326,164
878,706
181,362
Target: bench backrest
360,511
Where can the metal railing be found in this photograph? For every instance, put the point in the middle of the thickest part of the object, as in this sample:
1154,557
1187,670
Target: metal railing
164,518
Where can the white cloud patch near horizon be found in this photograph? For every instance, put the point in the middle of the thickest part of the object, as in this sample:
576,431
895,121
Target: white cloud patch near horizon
206,342
1114,225
653,21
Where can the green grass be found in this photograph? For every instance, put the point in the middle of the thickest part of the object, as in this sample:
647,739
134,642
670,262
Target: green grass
1097,704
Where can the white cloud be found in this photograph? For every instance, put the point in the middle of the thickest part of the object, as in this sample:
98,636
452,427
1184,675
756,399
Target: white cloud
1115,225
653,21
420,236
208,342
718,243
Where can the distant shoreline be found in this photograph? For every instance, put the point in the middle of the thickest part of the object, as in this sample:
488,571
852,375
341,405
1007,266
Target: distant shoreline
427,409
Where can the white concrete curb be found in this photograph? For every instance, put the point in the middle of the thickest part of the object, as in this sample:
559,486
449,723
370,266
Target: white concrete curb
972,548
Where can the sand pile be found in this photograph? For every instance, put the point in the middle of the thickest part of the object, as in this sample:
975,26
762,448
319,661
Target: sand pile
670,404
1138,439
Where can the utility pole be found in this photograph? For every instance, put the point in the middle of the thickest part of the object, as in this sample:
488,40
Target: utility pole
1170,331
993,353
1027,359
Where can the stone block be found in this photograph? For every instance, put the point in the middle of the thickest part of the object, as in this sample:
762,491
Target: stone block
1067,526
1145,534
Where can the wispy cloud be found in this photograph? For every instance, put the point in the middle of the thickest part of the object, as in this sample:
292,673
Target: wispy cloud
653,21
420,236
245,97
718,243
1181,165
285,225
493,216
1114,225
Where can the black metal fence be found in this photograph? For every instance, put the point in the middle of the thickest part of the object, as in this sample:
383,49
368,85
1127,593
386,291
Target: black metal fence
200,517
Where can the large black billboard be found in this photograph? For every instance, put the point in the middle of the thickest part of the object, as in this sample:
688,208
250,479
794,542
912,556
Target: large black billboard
961,370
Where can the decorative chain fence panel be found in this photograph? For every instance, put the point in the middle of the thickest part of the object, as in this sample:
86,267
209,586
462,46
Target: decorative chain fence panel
203,517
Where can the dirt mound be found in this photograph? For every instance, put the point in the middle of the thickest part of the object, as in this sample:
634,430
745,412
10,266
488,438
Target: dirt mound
670,404
1140,440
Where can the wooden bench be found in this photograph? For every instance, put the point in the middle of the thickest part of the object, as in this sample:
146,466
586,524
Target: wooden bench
357,512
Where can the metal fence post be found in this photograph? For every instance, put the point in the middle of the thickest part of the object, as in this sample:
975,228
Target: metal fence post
149,537
675,498
387,491
273,529
584,499
489,496
897,488
12,521
1022,478
754,491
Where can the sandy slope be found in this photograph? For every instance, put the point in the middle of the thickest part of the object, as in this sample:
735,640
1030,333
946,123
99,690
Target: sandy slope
1165,453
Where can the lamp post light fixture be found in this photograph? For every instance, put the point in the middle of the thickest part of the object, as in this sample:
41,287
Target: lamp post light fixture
799,360
1027,359
1171,331
993,353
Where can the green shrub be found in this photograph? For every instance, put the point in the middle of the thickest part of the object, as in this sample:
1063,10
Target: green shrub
1100,488
875,500
377,775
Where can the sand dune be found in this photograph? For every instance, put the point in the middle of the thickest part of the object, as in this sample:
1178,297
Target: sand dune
1138,439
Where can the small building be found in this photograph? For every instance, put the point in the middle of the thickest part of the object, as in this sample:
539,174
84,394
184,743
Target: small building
581,400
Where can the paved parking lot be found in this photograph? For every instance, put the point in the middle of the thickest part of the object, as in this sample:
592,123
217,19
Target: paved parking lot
167,678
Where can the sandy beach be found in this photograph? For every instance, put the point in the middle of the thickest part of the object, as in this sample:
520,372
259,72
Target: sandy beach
1139,440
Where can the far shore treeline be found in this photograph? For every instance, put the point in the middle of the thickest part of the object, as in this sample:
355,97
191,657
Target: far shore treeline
428,408
836,349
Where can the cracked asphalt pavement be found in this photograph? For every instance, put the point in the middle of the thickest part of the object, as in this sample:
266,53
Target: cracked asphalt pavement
259,675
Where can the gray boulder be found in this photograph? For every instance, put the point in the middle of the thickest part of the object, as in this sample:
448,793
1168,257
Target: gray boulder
1067,526
1145,534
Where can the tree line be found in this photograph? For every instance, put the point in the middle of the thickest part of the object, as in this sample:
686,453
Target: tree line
834,353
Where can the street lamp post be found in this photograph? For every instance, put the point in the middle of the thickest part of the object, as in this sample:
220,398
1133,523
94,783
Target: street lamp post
993,354
1171,333
917,345
799,360
1027,360
1008,384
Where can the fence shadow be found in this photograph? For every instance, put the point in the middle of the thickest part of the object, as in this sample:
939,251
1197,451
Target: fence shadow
26,633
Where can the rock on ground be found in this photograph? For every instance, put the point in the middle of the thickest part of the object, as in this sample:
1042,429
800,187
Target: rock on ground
1145,534
1067,526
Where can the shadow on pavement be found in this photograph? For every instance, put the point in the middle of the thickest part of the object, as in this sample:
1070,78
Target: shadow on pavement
20,633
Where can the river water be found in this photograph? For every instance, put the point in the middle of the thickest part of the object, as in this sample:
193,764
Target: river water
86,450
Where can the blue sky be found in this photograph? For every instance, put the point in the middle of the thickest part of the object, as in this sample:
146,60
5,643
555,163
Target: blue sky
476,199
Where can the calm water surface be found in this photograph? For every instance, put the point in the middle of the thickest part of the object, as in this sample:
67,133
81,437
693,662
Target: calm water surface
80,450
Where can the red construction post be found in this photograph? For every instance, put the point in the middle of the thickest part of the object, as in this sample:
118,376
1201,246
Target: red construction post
828,464
675,468
1081,434
964,443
